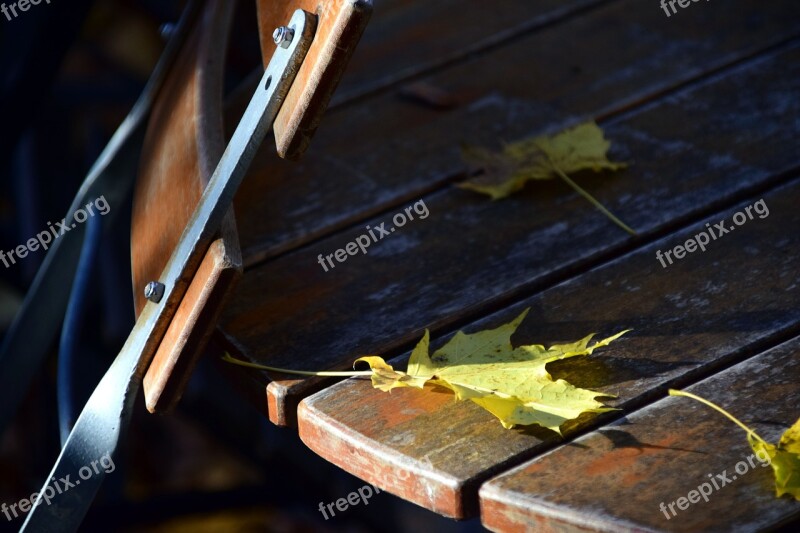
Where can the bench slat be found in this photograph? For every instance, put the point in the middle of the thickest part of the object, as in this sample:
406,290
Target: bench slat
617,478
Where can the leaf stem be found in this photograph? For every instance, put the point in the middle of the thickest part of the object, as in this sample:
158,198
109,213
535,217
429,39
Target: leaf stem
673,392
228,359
592,199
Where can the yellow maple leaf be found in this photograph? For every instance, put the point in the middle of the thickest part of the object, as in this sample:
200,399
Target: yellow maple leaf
511,383
784,457
582,147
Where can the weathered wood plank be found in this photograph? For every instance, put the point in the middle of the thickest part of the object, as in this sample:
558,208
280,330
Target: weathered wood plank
371,157
626,476
470,254
705,311
407,38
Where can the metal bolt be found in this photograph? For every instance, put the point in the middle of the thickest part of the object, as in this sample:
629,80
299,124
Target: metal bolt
283,36
154,291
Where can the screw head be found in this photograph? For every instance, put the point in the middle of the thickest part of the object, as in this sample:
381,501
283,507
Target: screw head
283,36
154,291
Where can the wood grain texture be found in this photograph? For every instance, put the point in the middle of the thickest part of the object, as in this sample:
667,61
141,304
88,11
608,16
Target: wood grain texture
471,254
708,310
616,478
340,24
387,150
192,326
183,144
406,39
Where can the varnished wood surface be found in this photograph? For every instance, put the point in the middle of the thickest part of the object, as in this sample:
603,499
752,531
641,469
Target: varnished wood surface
434,273
617,478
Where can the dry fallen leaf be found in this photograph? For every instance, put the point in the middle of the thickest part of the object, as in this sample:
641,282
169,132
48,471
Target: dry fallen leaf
547,157
511,383
784,457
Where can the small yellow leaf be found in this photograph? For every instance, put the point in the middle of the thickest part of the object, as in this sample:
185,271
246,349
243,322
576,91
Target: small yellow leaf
386,378
783,457
580,148
506,172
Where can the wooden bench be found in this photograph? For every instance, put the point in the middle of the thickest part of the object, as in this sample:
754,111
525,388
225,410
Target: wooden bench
705,108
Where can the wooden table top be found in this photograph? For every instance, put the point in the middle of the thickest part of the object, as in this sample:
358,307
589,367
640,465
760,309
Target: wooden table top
705,105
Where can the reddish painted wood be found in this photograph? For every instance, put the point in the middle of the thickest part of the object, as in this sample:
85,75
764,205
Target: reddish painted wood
690,319
340,24
617,478
183,145
290,313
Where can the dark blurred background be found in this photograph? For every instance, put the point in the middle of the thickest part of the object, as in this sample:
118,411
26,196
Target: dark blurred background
69,73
